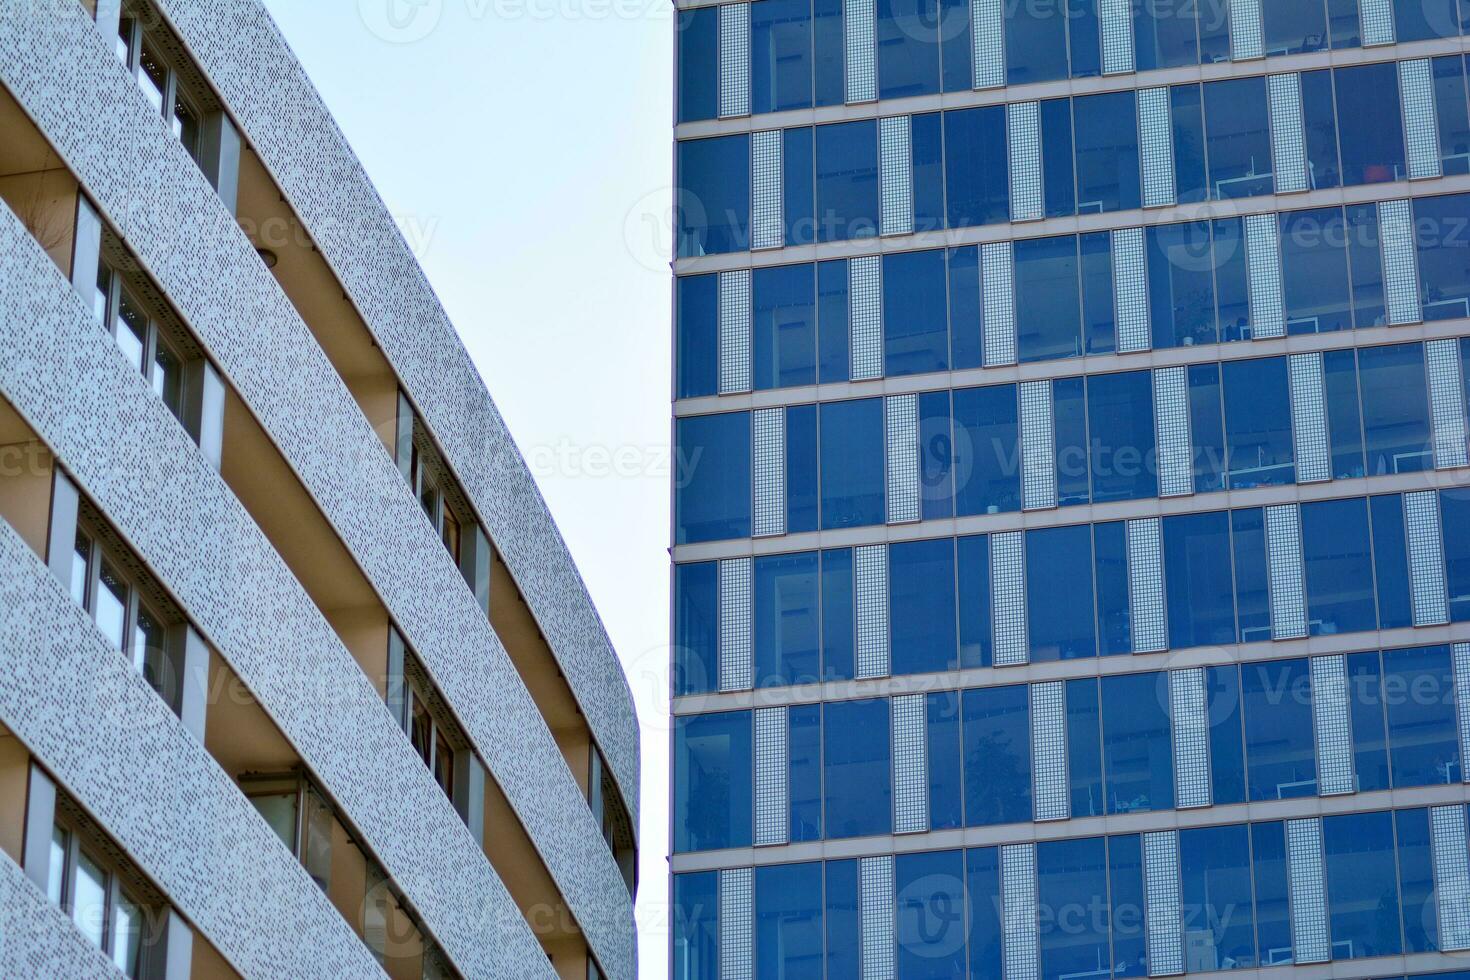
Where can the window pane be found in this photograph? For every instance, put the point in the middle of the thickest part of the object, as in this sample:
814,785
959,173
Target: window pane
1181,284
1232,294
697,925
712,478
185,126
1419,696
843,954
858,787
1084,48
1128,913
56,865
147,653
1110,555
837,614
1106,131
1314,271
976,168
1344,421
944,759
798,200
1391,561
788,921
832,317
1098,325
804,748
1258,423
908,47
131,331
1362,885
954,43
973,560
81,563
713,197
987,466
1369,127
1342,23
1416,881
786,619
1120,412
1294,26
1215,894
712,781
1036,44
982,877
279,812
801,468
1199,595
1370,738
1057,179
847,181
921,606
997,735
152,76
915,317
1319,130
964,307
1137,747
1059,562
1164,35
852,463
1273,916
1451,115
89,899
112,605
1238,138
1071,877
1069,432
1084,748
699,61
1227,746
1048,304
1338,561
1444,256
1454,508
1207,427
696,627
1248,539
1277,697
1186,111
936,456
780,55
1366,265
828,43
931,922
784,327
1424,19
1395,409
926,152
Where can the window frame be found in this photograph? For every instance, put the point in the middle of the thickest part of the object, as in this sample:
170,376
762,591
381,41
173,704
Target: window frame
112,294
114,891
133,38
100,553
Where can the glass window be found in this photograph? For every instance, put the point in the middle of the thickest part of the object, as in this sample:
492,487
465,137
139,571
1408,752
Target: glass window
1362,885
1048,304
798,195
696,627
56,865
1084,48
1232,293
832,325
1338,561
699,335
1294,27
801,468
1098,325
828,42
696,925
1421,20
1069,434
1128,912
1258,429
987,471
954,44
1036,44
908,47
1365,263
1451,115
972,558
1059,562
783,327
780,55
1227,745
1181,284
1365,707
1371,132
997,734
131,331
1120,412
89,898
1277,697
1188,121
1215,893
1206,427
152,76
712,477
930,888
1416,881
915,318
945,760
786,619
858,788
1164,35
1199,596
1314,274
926,155
1057,180
1391,561
1273,915
976,168
1106,132
112,605
1238,138
81,565
982,877
852,463
1342,23
788,920
1444,256
1344,422
837,614
847,180
1248,539
1110,555
921,606
1084,748
1137,746
713,198
167,376
964,307
1418,694
712,781
804,770
1319,130
1395,409
936,456
843,955
1071,880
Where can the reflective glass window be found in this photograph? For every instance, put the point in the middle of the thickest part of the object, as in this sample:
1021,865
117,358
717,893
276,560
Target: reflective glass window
1337,557
858,768
712,781
852,463
780,55
997,733
1277,697
976,171
1048,314
1059,563
847,180
1238,138
921,606
1106,133
1418,686
1138,753
784,326
1370,132
713,201
712,477
1395,409
1362,885
1198,593
786,619
1258,431
788,920
915,315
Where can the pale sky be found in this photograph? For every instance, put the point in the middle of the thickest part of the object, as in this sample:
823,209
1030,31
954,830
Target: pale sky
524,146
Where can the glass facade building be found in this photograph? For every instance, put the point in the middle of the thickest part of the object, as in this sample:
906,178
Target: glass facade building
1071,541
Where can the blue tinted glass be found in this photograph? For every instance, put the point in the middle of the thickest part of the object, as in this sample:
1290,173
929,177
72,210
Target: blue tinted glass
1369,129
712,202
964,307
908,47
1391,561
936,456
1444,256
1056,158
798,207
858,788
788,920
1365,705
1227,745
1419,697
784,326
915,320
1258,432
1416,881
997,734
712,781
1036,43
847,181
837,614
1084,48
1207,428
1248,538
696,627
1362,885
1048,313
1314,274
1188,119
1451,115
1232,294
930,888
986,440
852,463
1395,409
804,771
942,743
1277,698
1059,564
828,43
712,477
1365,264
780,55
786,618
699,60
1420,20
1454,509
1110,555
1097,292
1273,914
954,43
832,327
1338,562
801,468
976,170
1215,888
697,924
1344,421
1127,914
698,316
1138,754
972,560
1294,26
1181,284
1164,35
1069,430
1072,875
982,877
1106,133
1199,596
1319,130
1342,23
921,606
926,156
844,958
1084,749
1238,138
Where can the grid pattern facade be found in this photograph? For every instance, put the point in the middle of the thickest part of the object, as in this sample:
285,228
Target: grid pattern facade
870,581
865,292
1288,142
1189,716
771,792
1400,262
734,59
1163,921
1330,726
1018,911
859,32
1116,18
1451,863
1008,597
895,176
1421,127
910,766
1377,21
1309,418
736,661
1307,891
1460,652
1247,40
999,302
1038,450
737,925
1446,403
1049,751
987,42
768,427
1130,290
1171,431
901,425
1284,572
735,317
766,227
1146,586
875,875
1263,266
1426,558
1023,137
1156,144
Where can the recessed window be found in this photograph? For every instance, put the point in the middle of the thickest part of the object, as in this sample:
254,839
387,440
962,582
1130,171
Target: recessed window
144,56
89,889
114,596
431,735
142,338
